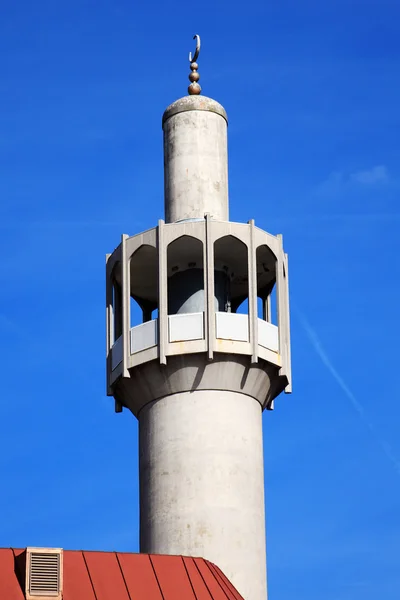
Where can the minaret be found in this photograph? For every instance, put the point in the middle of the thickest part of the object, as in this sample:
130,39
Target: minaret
197,373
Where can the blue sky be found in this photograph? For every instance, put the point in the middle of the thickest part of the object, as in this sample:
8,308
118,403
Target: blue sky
312,93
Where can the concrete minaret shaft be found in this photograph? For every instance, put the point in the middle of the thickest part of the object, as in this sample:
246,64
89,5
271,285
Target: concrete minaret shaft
200,374
195,160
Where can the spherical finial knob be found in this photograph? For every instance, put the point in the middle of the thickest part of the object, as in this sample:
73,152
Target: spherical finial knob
194,88
194,76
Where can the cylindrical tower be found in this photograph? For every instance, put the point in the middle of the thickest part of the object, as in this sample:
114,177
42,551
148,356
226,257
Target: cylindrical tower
195,160
199,374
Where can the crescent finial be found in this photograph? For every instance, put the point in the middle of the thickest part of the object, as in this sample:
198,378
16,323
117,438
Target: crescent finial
194,88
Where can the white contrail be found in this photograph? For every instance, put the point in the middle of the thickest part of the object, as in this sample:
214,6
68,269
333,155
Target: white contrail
316,343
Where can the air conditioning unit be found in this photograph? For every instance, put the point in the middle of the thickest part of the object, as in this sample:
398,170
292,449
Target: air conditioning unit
44,570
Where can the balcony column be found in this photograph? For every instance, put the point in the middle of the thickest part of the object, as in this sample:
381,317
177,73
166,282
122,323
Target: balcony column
253,311
162,294
126,305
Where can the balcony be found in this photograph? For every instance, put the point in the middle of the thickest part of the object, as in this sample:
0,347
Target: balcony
220,265
186,334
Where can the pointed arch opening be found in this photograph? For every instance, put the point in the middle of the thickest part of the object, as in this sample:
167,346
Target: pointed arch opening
231,281
144,285
116,303
266,299
143,266
115,316
231,275
266,284
185,276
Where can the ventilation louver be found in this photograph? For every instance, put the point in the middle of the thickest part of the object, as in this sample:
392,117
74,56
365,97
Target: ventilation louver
43,573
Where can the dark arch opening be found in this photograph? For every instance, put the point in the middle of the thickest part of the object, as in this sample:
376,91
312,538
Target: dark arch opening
116,303
144,284
185,270
231,277
266,288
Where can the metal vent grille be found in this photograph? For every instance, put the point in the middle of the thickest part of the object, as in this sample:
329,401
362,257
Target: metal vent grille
44,573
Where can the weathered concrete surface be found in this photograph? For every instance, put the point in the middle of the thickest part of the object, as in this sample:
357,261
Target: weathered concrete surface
188,103
202,483
195,160
186,291
193,372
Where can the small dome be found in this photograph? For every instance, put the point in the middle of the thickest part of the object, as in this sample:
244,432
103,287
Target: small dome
194,103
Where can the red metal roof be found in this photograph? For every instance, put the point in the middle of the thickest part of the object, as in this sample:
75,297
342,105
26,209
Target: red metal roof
123,576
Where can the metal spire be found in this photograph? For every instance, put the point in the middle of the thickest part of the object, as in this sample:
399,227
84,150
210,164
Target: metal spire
194,88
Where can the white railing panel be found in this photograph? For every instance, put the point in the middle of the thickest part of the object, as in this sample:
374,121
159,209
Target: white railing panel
268,335
232,326
116,353
186,327
144,336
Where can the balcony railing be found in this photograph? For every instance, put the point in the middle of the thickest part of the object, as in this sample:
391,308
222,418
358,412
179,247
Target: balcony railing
189,327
